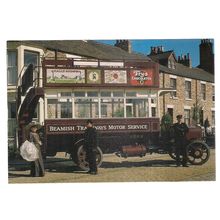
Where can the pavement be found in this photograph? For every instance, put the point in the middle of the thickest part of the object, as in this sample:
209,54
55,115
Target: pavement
151,168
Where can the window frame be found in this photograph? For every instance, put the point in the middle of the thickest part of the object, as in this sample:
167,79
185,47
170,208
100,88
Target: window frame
144,96
187,118
203,91
10,112
9,67
174,93
213,93
188,91
32,52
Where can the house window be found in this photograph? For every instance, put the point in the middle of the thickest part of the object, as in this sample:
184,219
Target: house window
173,86
31,58
153,112
12,69
169,64
213,93
11,110
187,116
173,65
213,118
11,119
170,111
203,91
188,92
35,116
201,118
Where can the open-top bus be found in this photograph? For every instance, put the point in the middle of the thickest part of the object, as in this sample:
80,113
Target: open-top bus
120,96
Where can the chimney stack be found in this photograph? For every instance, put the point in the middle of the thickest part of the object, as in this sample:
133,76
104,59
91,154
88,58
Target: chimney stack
206,55
156,50
185,60
124,45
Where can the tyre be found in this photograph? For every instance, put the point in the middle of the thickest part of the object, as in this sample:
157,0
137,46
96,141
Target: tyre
198,152
82,161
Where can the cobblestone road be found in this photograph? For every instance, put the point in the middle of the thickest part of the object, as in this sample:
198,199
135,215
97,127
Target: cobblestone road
155,167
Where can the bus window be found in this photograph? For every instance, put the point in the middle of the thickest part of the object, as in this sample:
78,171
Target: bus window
105,93
153,111
79,94
92,94
112,108
118,94
118,107
51,108
106,108
137,108
86,108
65,108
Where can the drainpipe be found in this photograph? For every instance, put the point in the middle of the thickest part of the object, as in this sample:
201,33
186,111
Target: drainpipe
158,104
164,94
196,90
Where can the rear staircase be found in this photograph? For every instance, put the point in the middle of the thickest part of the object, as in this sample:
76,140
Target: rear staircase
29,91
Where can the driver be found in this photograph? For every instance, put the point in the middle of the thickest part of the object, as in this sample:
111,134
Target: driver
180,130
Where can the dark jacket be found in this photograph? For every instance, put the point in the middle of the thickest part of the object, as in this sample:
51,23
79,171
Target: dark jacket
180,131
90,138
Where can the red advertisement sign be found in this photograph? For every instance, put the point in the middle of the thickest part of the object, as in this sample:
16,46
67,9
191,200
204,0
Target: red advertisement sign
141,77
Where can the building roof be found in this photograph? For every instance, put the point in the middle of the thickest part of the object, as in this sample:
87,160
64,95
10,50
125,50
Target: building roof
162,56
91,49
102,51
180,69
192,73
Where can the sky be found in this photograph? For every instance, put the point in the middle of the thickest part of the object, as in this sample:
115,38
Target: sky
180,47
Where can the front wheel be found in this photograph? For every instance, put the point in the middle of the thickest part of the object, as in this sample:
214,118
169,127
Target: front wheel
82,158
198,152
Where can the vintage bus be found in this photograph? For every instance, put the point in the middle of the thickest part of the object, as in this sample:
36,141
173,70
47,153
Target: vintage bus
120,96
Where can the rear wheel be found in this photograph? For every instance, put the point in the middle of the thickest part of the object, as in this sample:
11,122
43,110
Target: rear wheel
82,160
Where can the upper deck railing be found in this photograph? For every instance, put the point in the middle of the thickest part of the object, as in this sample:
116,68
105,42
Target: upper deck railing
84,62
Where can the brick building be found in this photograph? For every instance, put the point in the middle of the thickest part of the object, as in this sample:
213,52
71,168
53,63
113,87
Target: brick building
194,86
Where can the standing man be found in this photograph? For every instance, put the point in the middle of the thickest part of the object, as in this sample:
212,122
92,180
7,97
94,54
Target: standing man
206,126
90,138
180,130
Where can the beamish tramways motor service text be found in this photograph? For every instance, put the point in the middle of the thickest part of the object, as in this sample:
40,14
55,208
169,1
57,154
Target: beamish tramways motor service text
55,128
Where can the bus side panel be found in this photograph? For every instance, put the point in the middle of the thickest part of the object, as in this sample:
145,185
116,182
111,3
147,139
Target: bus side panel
61,143
61,135
110,143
